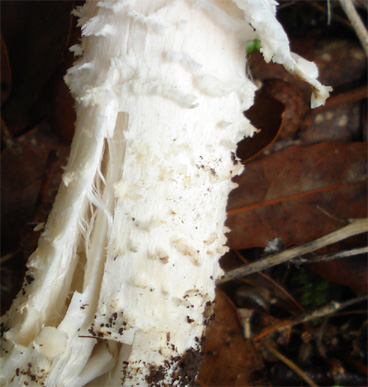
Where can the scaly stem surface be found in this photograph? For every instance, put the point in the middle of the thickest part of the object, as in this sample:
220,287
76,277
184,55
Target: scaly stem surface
120,288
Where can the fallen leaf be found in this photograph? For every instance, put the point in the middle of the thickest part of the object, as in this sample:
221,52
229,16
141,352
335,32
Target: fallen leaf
340,123
228,358
298,194
268,124
350,271
330,56
296,106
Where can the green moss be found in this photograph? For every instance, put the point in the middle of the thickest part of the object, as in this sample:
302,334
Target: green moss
312,290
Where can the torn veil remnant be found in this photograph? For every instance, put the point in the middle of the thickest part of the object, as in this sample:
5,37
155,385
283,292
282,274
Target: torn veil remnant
125,270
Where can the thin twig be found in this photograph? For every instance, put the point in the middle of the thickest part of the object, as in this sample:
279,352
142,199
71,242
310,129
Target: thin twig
326,310
290,364
10,255
285,5
332,256
338,18
356,22
357,226
276,284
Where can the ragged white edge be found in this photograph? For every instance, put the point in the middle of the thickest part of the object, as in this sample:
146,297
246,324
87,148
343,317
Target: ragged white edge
275,46
209,84
143,235
183,59
148,22
308,72
77,50
260,15
97,26
77,365
158,87
83,12
227,15
39,226
67,359
42,301
115,6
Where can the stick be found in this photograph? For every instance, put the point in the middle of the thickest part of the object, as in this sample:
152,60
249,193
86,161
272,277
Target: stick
332,256
356,227
328,309
356,22
291,365
337,18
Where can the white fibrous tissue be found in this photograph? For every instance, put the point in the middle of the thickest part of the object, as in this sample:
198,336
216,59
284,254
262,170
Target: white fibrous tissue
122,284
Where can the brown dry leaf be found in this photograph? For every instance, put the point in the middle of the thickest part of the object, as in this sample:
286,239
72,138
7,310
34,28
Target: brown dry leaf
296,105
340,123
296,108
298,194
268,124
330,56
351,271
228,359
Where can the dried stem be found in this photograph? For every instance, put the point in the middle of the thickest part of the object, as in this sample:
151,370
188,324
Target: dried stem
326,310
356,22
332,256
323,9
290,364
356,227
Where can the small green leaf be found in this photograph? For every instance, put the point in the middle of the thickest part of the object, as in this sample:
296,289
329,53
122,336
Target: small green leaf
253,45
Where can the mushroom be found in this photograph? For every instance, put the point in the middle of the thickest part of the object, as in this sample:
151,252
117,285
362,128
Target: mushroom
125,270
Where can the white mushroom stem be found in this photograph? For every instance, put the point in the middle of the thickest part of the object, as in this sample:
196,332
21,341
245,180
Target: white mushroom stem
120,288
